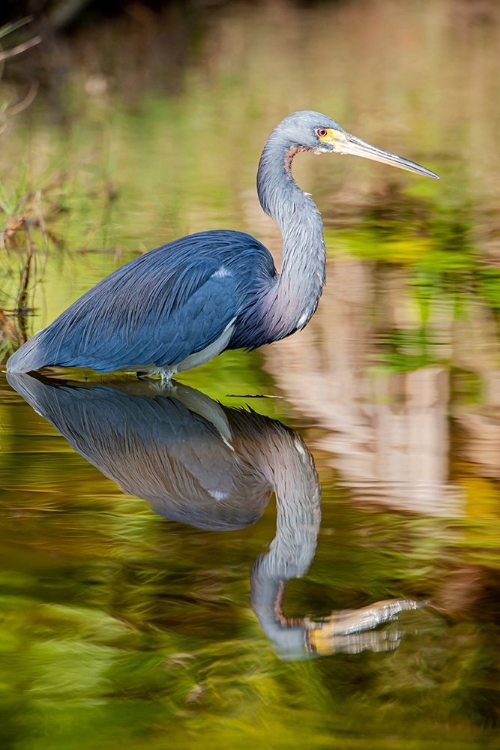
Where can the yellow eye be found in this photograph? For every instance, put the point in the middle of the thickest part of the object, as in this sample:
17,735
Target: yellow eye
321,132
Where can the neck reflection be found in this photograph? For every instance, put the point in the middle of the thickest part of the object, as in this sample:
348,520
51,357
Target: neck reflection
215,468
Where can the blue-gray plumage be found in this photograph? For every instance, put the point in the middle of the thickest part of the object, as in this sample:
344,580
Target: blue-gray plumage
185,302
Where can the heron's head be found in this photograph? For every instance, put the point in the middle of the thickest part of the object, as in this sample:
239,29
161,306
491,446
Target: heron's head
312,131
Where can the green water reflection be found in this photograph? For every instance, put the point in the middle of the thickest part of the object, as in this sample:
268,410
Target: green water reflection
117,623
122,628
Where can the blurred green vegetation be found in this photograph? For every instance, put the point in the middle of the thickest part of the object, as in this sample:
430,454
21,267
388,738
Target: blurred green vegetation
118,167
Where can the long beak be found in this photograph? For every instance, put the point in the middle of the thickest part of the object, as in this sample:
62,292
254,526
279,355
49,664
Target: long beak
357,147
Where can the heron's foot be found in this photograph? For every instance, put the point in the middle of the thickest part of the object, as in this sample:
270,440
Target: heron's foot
166,378
166,375
353,630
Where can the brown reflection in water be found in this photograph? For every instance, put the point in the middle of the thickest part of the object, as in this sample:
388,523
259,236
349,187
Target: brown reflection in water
482,439
471,592
389,431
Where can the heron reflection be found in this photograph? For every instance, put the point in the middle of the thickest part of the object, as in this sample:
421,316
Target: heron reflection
216,468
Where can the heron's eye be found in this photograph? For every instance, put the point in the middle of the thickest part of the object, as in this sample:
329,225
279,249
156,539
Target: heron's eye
321,132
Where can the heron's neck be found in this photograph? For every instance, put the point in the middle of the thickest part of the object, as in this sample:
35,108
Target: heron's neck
296,295
290,470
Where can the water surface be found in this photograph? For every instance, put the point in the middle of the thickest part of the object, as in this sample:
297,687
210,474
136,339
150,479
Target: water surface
151,593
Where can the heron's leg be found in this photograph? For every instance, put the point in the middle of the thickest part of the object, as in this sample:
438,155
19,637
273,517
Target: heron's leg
165,374
166,377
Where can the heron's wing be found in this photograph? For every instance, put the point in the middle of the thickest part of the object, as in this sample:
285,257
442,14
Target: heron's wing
165,319
156,310
156,319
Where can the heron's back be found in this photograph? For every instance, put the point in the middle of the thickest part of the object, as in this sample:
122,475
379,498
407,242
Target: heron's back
157,309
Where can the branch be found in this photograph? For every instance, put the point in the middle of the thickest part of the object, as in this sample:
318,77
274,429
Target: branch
20,48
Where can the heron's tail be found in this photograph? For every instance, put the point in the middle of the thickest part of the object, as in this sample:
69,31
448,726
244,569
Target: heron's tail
29,357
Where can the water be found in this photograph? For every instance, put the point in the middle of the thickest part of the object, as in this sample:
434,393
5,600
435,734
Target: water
150,591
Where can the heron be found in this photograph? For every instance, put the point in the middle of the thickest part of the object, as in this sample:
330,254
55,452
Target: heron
180,305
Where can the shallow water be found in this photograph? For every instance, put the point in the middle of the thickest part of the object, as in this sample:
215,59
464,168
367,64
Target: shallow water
119,623
171,562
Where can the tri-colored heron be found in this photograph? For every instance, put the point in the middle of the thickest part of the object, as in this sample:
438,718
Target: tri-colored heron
180,305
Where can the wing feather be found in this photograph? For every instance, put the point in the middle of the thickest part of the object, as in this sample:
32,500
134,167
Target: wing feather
156,310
